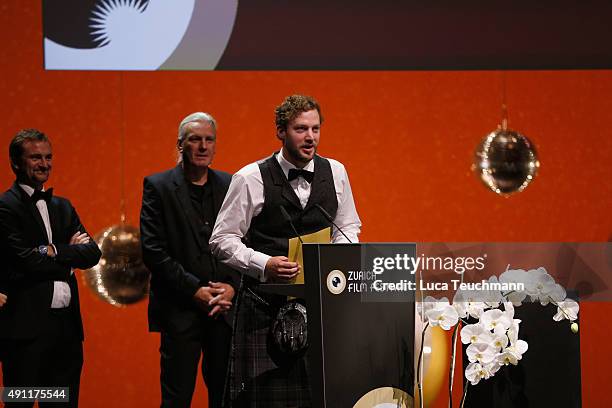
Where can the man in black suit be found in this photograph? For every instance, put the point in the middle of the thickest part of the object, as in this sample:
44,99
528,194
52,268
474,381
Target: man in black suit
41,241
190,290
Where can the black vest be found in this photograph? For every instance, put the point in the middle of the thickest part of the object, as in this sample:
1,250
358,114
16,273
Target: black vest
270,230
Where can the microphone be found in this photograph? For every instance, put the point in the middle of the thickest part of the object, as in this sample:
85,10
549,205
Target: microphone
288,218
329,218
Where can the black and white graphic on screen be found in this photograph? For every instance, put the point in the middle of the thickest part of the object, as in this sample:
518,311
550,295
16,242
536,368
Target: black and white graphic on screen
336,282
134,34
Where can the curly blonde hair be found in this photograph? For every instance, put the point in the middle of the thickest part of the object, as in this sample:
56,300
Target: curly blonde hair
292,106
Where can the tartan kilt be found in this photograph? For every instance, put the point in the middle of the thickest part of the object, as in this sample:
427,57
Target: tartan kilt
259,375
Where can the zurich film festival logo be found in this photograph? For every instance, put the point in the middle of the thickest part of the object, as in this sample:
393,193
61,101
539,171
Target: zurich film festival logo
136,34
336,282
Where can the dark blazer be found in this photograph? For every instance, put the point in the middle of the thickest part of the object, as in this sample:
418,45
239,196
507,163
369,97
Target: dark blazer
28,276
175,248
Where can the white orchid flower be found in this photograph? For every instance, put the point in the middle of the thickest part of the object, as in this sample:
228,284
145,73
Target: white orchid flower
475,372
496,320
500,341
512,354
558,294
492,298
513,331
476,333
461,308
442,314
427,304
475,309
470,333
540,285
466,303
509,309
568,309
515,276
460,304
483,353
493,366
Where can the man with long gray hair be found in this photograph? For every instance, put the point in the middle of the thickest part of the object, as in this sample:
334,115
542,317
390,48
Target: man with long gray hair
190,291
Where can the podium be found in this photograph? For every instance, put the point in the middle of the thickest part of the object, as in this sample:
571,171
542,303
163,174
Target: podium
361,340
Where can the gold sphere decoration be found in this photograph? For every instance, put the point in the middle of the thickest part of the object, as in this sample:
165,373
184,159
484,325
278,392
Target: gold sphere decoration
506,161
120,278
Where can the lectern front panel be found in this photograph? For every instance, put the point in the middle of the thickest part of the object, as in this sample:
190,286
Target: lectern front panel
360,322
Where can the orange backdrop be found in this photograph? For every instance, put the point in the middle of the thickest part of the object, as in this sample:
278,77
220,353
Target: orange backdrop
407,140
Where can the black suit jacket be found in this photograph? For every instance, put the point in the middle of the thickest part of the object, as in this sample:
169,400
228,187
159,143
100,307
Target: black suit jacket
175,248
28,276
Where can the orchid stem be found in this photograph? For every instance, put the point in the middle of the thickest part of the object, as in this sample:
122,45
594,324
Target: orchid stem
419,379
451,373
465,390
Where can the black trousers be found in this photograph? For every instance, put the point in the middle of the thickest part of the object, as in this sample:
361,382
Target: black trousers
180,355
53,359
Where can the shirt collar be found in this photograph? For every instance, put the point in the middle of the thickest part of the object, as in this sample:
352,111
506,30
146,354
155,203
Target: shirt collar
286,166
28,189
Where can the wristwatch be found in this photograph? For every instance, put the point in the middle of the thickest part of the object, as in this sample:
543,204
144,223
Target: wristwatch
43,250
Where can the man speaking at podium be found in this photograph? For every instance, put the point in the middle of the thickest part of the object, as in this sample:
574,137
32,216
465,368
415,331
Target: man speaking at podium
294,191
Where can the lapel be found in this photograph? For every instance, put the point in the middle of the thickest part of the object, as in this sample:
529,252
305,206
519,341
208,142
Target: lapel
281,182
30,208
181,191
217,191
316,187
53,208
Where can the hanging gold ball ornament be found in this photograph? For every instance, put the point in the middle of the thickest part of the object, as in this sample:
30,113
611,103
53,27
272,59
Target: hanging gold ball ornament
506,161
120,278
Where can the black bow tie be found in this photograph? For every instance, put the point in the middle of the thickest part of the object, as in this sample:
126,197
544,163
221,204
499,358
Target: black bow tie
306,175
42,195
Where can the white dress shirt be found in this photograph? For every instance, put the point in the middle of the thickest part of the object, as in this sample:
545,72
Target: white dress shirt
245,200
61,290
